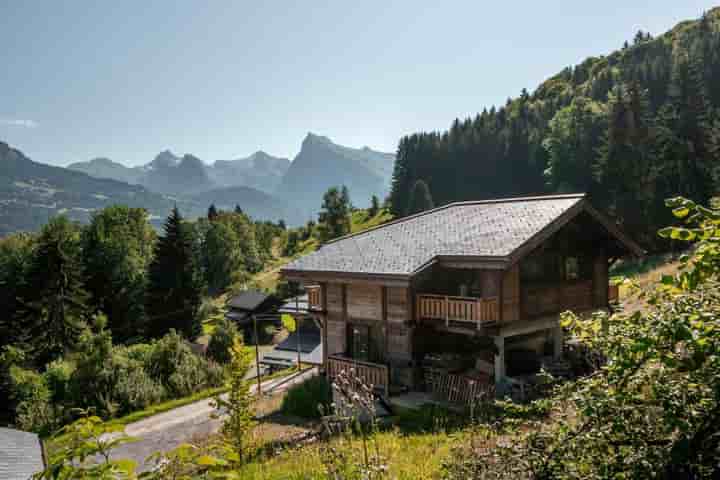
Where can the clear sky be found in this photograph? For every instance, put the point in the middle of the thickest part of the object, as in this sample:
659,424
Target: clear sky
222,79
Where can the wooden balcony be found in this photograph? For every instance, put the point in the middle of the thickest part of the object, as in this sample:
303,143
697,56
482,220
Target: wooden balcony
373,374
314,297
469,310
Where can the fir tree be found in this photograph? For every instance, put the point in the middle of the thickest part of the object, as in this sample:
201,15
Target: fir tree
335,214
212,212
374,206
175,288
54,306
420,198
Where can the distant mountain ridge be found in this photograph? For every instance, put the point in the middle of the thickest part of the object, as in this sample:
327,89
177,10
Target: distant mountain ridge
168,173
322,163
32,192
319,165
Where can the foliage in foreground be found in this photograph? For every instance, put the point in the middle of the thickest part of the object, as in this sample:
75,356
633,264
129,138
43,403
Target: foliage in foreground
652,411
308,399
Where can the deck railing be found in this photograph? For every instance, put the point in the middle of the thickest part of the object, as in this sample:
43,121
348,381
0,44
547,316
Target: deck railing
373,374
477,311
314,296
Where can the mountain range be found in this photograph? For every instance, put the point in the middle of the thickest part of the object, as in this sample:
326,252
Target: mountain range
264,186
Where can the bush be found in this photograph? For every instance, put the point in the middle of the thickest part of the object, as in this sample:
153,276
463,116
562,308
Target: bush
173,363
34,409
221,340
307,399
136,390
57,378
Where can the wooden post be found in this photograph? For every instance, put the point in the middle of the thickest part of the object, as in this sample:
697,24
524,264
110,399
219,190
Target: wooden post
257,355
297,329
499,361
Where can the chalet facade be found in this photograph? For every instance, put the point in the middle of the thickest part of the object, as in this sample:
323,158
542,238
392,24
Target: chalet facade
472,290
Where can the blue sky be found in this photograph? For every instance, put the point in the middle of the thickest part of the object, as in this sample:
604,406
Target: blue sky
223,79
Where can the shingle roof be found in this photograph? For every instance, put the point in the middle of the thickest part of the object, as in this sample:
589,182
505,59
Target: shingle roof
20,454
488,228
249,300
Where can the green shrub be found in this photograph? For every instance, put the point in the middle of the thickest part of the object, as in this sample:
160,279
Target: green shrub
136,390
173,363
306,399
57,377
221,340
34,409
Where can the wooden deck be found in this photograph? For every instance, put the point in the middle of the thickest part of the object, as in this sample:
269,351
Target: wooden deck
478,312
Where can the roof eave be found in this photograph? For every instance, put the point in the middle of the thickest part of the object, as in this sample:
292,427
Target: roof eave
340,276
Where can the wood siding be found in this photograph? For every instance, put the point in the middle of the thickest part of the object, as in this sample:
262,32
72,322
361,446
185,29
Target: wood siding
511,295
397,305
336,337
334,300
364,301
600,281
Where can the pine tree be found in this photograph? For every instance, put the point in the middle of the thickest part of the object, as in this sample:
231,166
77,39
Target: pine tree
175,288
420,198
334,217
54,306
374,206
239,210
238,407
212,212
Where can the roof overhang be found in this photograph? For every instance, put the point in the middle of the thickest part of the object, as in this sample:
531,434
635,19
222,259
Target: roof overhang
321,276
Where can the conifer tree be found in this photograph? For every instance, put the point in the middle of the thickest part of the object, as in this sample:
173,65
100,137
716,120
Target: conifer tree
374,206
212,212
175,287
335,214
54,306
420,198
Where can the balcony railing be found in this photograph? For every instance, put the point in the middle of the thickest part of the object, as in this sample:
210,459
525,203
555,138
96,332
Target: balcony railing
314,297
372,374
475,311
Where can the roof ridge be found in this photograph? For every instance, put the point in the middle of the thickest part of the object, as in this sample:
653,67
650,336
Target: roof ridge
456,204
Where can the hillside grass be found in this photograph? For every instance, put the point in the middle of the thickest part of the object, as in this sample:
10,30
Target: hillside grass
417,456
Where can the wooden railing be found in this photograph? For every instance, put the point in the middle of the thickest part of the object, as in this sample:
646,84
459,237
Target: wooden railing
373,374
459,388
477,311
314,296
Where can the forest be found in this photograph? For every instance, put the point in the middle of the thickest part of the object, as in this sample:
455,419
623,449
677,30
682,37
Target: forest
99,316
630,129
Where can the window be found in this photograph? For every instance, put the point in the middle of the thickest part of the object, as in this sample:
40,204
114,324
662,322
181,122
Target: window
572,268
359,342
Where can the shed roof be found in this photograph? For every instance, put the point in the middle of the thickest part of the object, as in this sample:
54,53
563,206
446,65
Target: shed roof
249,300
20,454
487,229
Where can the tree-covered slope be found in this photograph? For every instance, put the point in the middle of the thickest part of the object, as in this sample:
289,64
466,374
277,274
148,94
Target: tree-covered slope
32,192
630,128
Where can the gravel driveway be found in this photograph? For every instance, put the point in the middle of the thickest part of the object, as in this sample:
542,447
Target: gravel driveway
166,431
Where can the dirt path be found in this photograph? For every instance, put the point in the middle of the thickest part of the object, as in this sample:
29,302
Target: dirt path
193,422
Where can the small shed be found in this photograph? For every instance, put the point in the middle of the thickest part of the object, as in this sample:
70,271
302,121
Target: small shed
250,302
21,454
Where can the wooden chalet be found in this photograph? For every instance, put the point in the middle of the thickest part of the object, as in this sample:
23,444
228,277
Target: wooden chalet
461,296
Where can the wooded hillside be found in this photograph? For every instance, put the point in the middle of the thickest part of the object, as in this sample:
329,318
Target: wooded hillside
631,129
